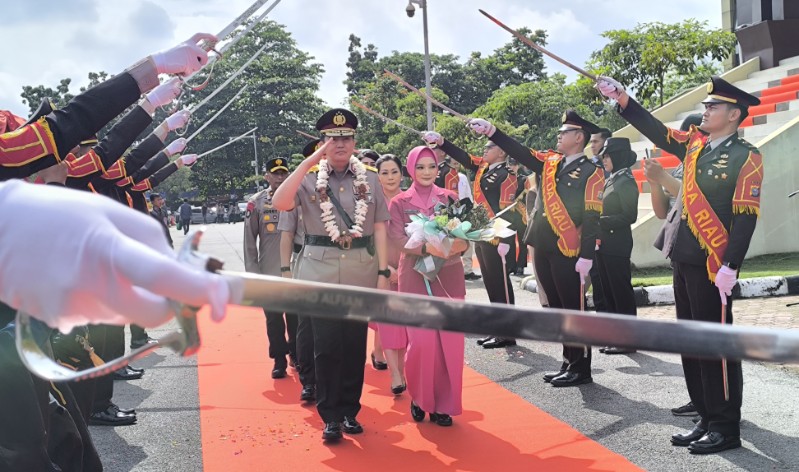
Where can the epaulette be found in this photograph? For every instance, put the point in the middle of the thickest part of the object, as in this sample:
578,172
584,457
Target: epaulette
748,145
313,169
370,168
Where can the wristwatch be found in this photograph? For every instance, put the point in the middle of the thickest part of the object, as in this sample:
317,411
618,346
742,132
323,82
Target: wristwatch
731,265
385,273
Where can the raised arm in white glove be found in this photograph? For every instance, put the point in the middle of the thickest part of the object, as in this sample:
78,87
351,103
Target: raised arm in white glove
481,126
609,87
583,266
176,147
433,139
186,160
175,121
164,93
184,59
106,263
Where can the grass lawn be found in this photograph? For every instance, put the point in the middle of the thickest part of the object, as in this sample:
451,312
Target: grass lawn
761,266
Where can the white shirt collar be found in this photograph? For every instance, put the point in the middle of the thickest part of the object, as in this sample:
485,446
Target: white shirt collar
569,159
717,142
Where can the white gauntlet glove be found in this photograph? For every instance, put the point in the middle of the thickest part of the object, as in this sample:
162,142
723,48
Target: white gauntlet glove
609,87
481,126
164,93
184,59
433,139
583,266
176,147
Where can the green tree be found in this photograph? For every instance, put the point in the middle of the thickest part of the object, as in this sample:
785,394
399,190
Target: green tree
33,95
648,56
281,98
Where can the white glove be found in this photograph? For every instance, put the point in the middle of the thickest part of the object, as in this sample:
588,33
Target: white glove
178,120
726,279
186,160
107,263
583,266
184,59
164,93
481,126
176,147
609,87
433,139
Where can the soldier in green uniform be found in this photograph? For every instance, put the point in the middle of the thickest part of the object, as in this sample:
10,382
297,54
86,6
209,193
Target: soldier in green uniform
262,255
722,181
344,213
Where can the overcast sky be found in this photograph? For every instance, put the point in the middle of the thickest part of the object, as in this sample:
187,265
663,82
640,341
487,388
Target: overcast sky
45,41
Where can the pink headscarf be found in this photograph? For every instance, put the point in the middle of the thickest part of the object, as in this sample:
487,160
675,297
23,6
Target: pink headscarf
421,197
417,153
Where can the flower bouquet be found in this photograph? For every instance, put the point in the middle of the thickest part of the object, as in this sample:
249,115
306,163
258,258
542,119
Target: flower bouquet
455,220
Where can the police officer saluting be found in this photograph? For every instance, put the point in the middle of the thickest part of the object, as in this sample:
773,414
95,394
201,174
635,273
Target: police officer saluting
721,189
262,256
344,212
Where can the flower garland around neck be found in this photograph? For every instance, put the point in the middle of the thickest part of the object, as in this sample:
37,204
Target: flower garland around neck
361,185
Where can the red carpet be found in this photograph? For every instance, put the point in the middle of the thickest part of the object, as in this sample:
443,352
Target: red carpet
250,422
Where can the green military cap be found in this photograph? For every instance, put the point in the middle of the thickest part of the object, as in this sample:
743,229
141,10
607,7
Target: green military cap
721,91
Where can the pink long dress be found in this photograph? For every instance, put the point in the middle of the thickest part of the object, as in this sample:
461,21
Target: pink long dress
392,336
434,361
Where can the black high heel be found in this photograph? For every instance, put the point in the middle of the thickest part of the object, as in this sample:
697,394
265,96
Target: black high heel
417,413
377,364
398,389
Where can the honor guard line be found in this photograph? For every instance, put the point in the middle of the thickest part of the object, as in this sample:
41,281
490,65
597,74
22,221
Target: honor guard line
316,299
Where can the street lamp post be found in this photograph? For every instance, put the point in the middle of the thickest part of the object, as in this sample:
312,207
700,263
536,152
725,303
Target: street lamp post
410,10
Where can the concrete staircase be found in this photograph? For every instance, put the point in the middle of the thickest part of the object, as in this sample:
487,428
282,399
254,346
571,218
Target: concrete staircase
775,133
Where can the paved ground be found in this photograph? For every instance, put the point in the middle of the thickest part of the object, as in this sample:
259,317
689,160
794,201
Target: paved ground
625,409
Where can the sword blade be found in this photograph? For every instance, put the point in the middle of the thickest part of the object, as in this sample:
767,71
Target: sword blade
385,118
228,143
538,48
423,95
229,79
221,110
708,340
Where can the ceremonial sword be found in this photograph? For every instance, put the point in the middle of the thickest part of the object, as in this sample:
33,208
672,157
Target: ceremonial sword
385,118
422,94
228,143
208,122
538,48
344,302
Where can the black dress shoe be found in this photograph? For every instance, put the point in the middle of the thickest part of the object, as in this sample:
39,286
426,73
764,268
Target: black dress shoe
377,364
332,431
570,379
618,350
441,419
603,348
398,389
417,413
351,426
472,276
713,442
684,439
137,343
111,417
127,411
308,393
498,343
278,372
551,375
127,374
686,410
482,341
135,369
